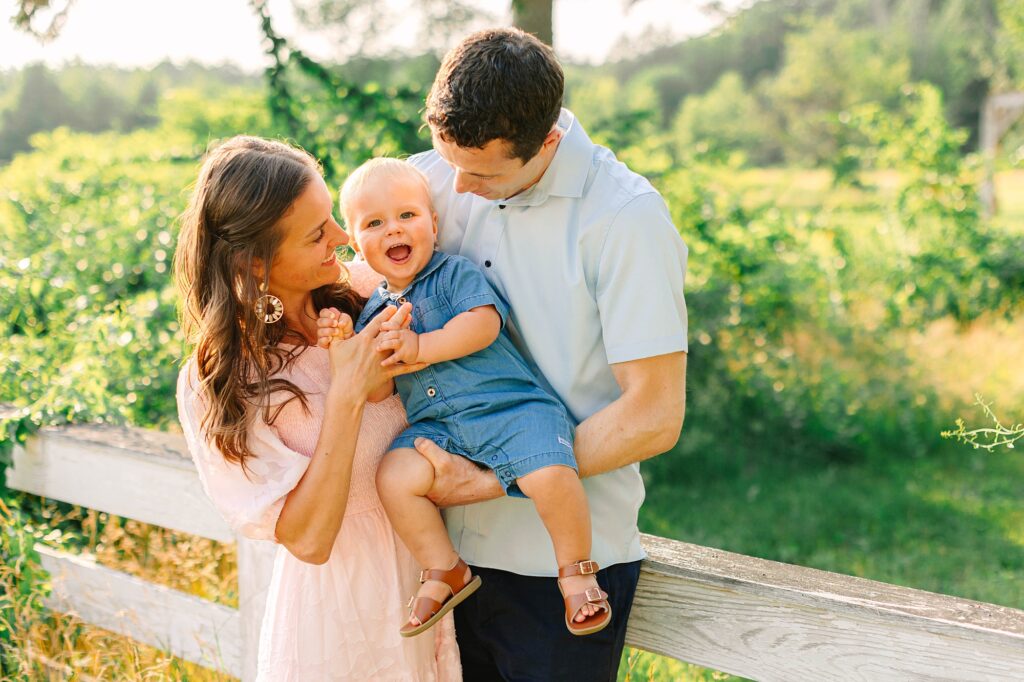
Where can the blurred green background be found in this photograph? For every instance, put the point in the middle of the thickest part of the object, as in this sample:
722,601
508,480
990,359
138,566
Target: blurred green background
848,294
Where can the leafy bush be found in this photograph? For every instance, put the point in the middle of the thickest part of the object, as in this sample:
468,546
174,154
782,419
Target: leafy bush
727,119
87,309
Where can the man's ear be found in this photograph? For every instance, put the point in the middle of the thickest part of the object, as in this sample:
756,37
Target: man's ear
553,137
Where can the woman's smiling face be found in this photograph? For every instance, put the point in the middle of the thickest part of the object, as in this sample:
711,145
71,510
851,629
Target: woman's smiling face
394,226
306,258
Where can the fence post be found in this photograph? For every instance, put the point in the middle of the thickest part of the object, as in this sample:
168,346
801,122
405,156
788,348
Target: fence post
255,564
998,114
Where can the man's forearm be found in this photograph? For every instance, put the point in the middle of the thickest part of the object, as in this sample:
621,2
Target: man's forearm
643,422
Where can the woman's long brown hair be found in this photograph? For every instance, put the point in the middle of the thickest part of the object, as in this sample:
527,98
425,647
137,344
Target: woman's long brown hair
245,187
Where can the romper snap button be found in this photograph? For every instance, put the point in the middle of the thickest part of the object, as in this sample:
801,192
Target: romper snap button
403,300
431,391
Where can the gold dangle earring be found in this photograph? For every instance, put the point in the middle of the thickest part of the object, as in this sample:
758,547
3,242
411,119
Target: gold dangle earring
268,307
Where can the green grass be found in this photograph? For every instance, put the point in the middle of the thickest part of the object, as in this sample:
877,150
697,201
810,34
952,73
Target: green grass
952,522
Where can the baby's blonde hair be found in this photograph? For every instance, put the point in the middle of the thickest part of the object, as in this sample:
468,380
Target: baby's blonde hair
380,166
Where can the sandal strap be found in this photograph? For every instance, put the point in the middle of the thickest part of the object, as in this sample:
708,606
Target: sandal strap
585,567
423,608
592,595
453,577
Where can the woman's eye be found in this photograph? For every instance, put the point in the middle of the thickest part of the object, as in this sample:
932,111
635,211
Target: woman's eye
320,237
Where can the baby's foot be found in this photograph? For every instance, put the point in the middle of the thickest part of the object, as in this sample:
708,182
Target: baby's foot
578,584
438,591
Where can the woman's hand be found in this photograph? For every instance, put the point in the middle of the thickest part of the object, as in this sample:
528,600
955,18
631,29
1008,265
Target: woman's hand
356,363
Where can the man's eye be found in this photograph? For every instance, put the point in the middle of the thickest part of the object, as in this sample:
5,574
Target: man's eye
407,214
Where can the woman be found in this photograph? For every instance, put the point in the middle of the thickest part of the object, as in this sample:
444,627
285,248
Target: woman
281,431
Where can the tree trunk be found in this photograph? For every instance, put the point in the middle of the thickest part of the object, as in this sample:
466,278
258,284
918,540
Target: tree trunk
534,16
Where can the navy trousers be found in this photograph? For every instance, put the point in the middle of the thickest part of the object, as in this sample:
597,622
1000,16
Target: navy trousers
513,629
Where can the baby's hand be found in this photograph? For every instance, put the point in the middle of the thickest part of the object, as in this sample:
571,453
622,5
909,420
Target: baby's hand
404,342
332,324
402,319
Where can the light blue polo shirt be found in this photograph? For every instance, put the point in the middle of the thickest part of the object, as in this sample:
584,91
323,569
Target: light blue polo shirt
592,268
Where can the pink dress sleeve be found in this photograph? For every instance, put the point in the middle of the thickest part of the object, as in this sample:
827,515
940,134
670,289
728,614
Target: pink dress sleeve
250,501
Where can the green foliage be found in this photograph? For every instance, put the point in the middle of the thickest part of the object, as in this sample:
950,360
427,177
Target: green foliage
965,266
23,586
341,122
87,309
40,105
234,111
827,69
95,99
727,119
622,118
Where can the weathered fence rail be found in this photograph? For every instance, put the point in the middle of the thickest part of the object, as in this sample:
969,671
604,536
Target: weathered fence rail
751,617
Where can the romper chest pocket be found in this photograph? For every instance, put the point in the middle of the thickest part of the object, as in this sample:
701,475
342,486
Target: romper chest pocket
429,314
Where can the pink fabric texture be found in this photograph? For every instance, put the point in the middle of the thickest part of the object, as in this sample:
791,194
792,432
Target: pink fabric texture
338,621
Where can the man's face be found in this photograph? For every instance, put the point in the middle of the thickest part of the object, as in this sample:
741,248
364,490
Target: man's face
491,172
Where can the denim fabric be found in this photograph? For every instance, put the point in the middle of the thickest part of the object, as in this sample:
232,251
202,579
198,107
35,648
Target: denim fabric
487,406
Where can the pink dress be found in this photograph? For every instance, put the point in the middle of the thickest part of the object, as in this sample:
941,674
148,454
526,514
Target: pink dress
338,621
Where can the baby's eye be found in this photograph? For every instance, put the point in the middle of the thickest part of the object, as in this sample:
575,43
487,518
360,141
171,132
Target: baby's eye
374,223
406,215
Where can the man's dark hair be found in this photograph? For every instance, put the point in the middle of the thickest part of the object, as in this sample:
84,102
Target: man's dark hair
497,83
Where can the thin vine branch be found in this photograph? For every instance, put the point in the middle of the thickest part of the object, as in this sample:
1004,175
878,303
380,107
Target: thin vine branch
988,438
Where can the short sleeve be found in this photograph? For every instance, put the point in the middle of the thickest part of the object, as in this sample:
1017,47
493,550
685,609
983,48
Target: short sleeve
250,501
640,283
468,288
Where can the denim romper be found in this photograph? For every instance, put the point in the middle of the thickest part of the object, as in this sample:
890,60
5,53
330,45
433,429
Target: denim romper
487,406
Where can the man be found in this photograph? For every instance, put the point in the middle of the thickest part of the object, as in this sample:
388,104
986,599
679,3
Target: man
585,253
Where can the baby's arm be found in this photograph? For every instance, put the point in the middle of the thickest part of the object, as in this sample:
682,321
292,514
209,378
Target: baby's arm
465,334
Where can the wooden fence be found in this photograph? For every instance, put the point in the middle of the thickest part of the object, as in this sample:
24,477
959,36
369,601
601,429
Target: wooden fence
759,619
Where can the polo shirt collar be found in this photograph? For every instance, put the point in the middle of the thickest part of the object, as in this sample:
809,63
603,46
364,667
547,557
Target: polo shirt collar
567,174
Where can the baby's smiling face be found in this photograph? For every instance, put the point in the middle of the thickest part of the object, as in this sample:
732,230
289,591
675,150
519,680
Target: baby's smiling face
394,226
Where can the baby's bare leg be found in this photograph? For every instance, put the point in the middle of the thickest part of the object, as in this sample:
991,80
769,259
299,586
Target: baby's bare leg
561,503
403,480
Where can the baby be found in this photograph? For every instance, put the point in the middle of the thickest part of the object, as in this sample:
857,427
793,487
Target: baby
476,398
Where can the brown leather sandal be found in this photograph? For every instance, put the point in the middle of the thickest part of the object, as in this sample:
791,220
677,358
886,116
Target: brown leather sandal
592,595
428,611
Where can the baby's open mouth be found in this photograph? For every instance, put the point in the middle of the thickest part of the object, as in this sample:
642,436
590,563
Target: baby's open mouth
399,253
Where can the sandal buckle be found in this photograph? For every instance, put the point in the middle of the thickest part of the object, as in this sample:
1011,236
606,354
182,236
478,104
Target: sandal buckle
587,567
593,594
411,600
423,576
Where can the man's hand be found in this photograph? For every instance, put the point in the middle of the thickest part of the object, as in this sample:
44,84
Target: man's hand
457,480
